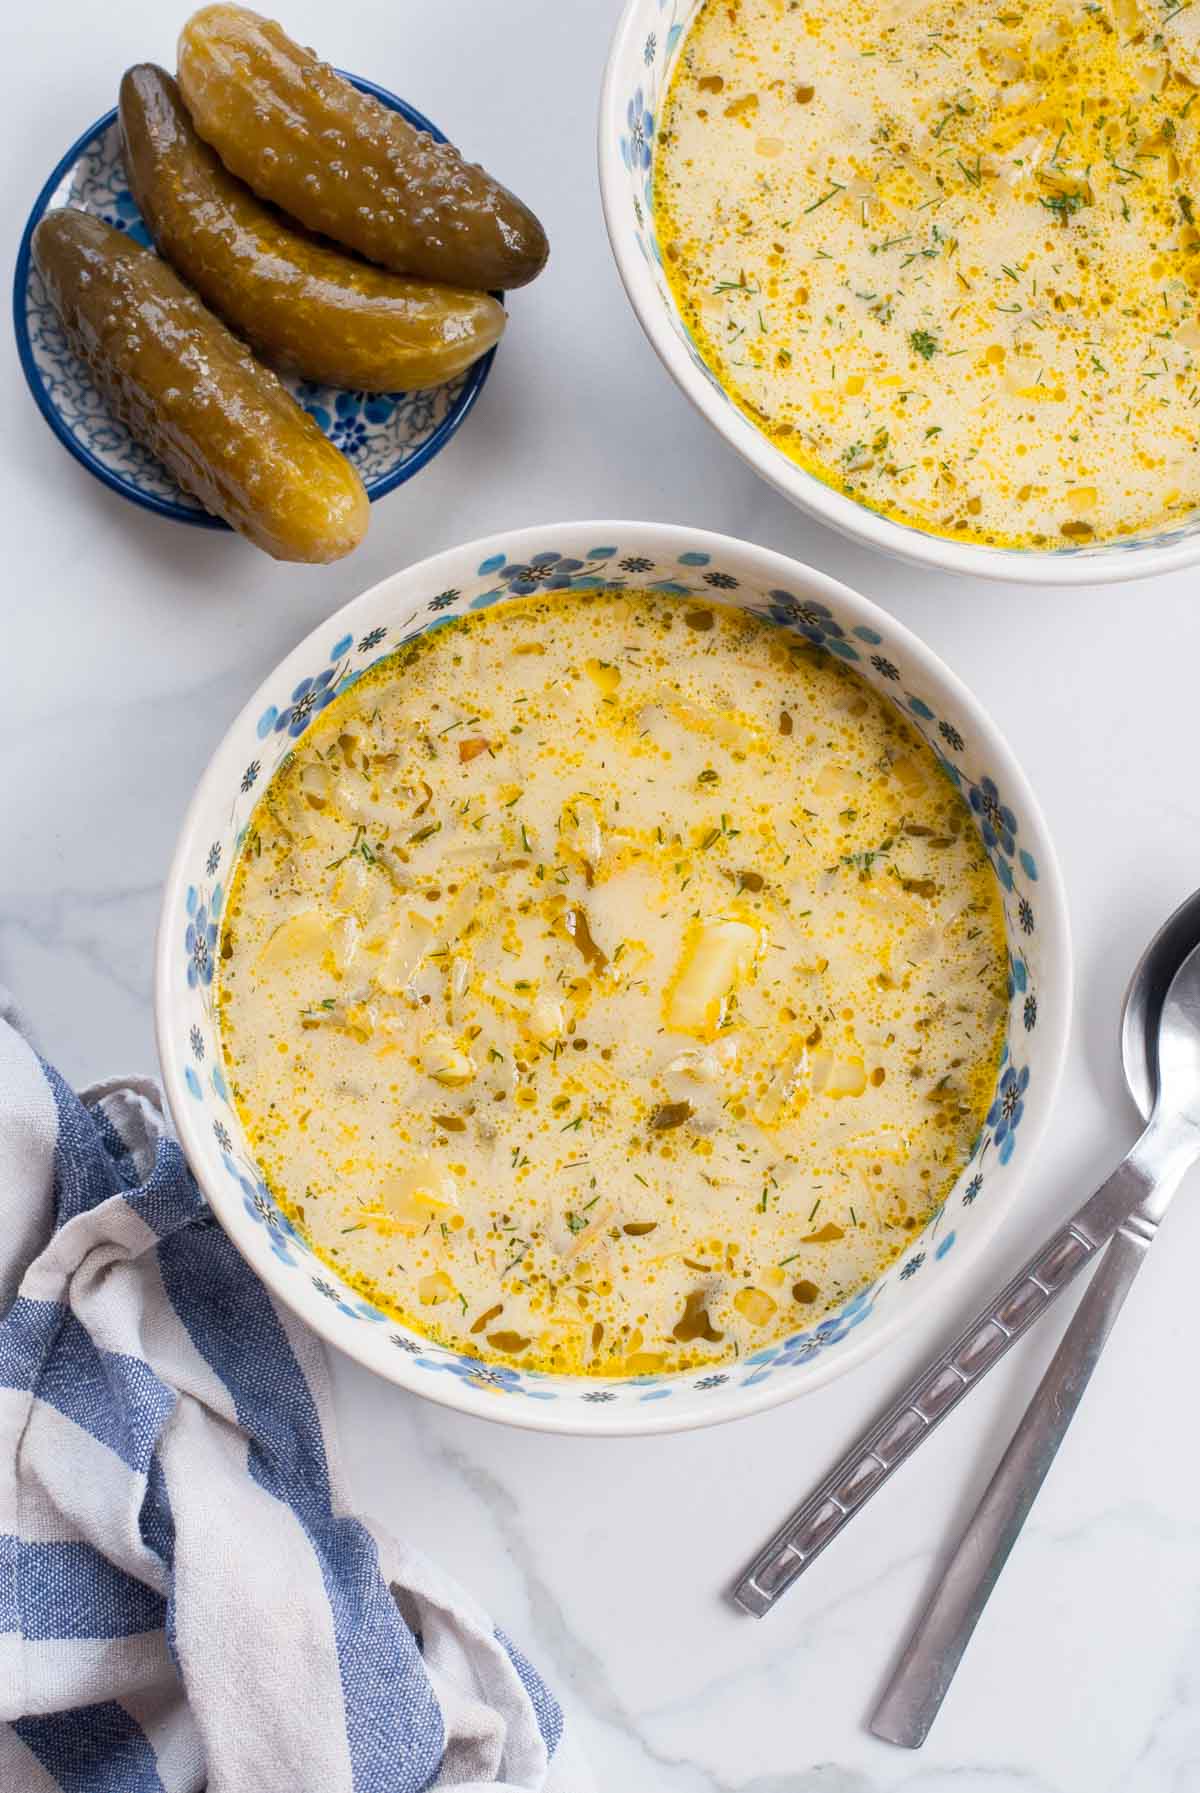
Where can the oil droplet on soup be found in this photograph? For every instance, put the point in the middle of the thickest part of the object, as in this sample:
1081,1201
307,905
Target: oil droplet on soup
584,1016
946,256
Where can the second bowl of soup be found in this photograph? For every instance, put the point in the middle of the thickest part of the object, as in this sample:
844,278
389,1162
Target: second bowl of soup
614,981
930,268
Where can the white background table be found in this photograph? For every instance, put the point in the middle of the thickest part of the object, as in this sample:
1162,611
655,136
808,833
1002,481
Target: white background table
126,646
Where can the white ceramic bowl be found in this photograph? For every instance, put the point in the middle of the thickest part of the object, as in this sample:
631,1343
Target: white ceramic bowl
686,561
639,66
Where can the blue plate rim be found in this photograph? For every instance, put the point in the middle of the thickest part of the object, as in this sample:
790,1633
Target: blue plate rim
165,507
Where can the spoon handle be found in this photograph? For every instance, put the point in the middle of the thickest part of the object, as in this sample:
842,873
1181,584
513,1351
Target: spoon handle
939,1387
915,1693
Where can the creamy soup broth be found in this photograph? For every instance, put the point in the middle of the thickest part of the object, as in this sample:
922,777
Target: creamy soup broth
944,252
611,983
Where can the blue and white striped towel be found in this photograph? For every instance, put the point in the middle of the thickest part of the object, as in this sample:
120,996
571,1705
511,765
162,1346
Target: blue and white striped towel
184,1601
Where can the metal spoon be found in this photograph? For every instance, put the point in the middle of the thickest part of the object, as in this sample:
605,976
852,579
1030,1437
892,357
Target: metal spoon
1160,1040
1150,1175
1145,996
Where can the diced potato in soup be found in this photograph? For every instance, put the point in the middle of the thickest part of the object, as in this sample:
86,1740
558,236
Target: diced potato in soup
641,1035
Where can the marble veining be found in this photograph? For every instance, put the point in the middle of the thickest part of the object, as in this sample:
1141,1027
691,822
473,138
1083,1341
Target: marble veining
128,644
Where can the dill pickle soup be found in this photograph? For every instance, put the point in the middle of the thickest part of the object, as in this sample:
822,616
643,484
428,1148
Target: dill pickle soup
945,256
611,983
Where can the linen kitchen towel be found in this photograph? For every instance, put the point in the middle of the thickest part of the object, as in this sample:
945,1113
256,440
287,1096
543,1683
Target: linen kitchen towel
185,1602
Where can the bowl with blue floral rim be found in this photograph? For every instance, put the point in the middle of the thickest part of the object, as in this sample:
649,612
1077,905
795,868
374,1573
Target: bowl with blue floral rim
649,38
804,605
389,436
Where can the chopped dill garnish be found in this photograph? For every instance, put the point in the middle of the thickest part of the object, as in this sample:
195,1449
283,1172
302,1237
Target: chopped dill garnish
1063,205
835,189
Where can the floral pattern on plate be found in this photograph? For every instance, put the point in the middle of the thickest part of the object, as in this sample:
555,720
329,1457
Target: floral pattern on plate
388,436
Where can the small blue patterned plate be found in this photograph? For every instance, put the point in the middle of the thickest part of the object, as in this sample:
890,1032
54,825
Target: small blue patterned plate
388,436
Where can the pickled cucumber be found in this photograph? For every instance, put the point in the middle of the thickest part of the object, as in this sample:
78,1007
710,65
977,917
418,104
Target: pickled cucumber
345,165
195,396
305,307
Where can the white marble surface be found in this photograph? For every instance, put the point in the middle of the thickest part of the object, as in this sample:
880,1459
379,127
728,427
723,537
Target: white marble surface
129,643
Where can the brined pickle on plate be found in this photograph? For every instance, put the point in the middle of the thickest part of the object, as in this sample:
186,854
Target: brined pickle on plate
343,163
305,306
194,395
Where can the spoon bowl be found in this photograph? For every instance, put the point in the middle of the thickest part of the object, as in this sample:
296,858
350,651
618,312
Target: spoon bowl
1178,1100
1145,996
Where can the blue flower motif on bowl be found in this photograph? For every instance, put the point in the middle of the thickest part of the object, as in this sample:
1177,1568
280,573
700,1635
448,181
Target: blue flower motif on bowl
496,1376
389,436
1004,1116
998,824
542,572
200,943
259,1205
812,619
637,147
308,699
